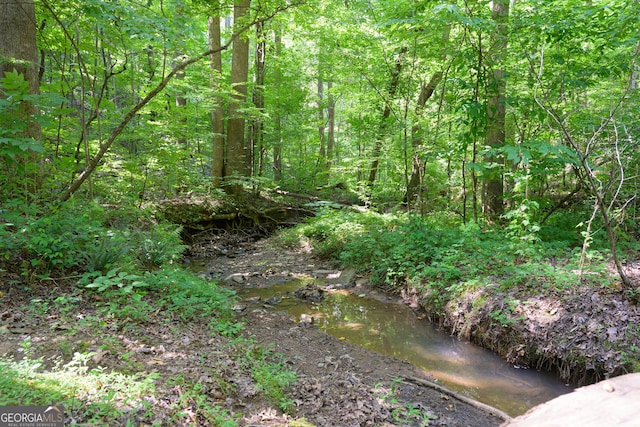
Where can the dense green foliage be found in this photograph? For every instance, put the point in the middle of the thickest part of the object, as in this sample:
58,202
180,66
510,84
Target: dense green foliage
569,70
387,104
446,257
344,101
84,236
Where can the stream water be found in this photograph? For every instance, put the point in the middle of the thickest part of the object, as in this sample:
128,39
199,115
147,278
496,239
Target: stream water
395,330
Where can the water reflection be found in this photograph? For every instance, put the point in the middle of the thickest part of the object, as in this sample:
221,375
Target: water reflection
394,330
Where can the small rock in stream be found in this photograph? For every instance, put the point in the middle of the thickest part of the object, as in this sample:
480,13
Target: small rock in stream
239,307
306,319
311,292
235,278
273,301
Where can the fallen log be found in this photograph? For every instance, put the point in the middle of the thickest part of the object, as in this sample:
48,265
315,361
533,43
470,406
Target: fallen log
489,409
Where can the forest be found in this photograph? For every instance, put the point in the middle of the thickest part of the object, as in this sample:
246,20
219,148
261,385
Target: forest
477,154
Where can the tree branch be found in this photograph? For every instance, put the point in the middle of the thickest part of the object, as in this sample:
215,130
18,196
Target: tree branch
153,93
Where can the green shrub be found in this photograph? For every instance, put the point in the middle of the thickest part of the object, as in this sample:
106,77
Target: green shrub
436,253
190,296
523,231
83,236
106,251
160,245
333,230
60,239
179,291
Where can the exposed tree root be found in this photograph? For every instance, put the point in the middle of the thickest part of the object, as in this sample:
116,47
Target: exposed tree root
201,213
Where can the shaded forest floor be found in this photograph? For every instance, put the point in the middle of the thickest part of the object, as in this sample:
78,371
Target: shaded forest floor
583,332
338,384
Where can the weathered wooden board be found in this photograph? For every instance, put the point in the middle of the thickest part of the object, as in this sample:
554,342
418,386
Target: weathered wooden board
609,403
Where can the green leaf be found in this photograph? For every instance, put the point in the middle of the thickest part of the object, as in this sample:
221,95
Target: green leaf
512,153
14,85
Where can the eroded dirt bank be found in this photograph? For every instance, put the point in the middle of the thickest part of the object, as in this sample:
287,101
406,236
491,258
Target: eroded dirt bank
585,333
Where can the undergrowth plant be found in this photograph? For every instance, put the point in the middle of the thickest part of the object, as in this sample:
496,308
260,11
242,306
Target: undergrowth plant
196,403
100,396
190,296
76,237
440,257
271,375
160,245
107,251
176,291
403,414
523,231
59,239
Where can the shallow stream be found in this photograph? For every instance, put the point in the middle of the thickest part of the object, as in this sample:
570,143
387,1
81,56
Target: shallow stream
394,329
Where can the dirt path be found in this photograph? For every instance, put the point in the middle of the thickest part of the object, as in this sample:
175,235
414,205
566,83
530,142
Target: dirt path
339,384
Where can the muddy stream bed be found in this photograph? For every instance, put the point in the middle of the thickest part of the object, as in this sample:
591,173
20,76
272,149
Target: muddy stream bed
395,330
267,281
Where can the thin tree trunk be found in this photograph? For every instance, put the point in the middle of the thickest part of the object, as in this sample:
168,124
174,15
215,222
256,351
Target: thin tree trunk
493,186
414,187
277,145
474,148
393,87
321,122
417,139
331,134
217,112
257,123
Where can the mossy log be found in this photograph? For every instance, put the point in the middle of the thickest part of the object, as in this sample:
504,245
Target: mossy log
200,213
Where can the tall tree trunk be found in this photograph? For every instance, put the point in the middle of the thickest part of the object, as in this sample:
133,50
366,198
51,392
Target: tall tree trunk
391,91
18,51
257,123
277,145
181,104
235,165
331,119
417,139
321,121
493,187
217,112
